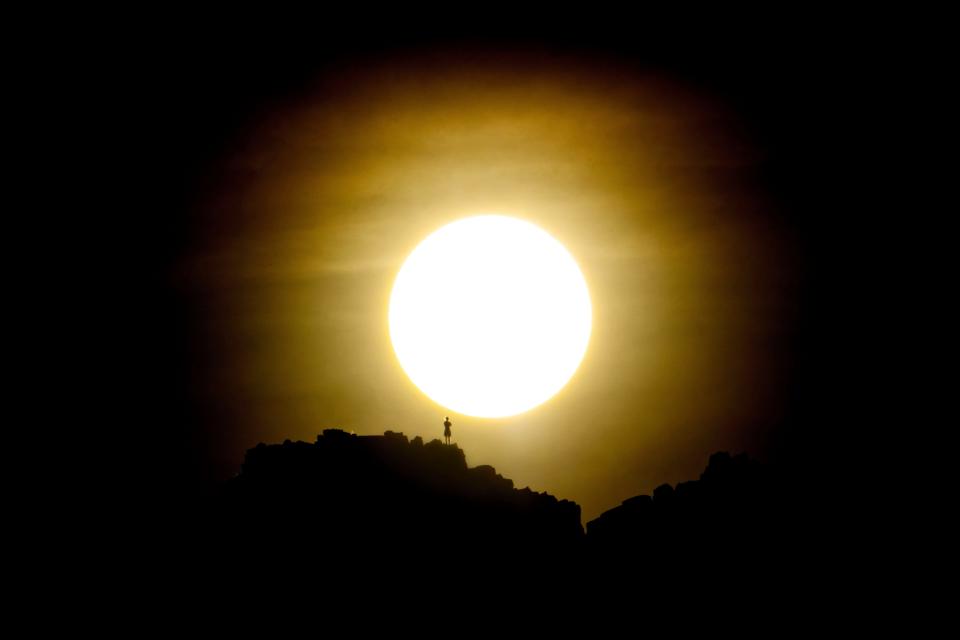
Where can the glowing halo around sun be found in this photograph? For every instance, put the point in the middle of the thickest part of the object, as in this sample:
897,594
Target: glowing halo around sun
490,316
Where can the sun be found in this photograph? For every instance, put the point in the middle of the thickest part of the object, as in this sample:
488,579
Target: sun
490,316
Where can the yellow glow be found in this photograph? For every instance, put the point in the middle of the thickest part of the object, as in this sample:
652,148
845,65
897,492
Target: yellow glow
490,316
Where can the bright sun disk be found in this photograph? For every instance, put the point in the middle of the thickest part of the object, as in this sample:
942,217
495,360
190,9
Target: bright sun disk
490,316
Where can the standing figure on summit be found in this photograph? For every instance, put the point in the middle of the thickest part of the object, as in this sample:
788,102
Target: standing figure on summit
446,429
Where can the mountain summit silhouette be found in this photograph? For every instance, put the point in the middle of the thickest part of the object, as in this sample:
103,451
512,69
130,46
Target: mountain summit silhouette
385,497
347,509
364,492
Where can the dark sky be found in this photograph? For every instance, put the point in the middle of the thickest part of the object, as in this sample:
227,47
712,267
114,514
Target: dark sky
271,180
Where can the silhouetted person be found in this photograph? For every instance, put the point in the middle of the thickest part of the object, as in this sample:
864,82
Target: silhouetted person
446,429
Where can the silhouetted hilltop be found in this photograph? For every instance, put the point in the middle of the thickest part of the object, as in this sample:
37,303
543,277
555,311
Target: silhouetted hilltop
368,492
735,511
729,487
346,502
